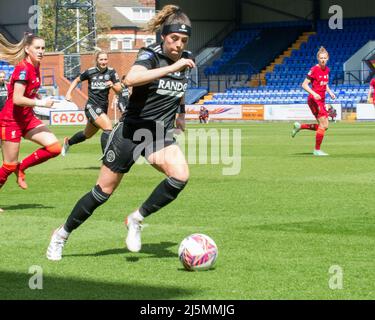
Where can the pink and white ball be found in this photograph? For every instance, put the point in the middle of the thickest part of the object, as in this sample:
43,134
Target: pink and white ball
198,252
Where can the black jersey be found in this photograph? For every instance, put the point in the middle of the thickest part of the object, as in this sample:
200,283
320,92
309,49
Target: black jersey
3,94
160,99
98,90
123,99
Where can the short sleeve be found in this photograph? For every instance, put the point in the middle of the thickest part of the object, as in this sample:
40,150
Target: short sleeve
311,74
84,75
146,58
21,74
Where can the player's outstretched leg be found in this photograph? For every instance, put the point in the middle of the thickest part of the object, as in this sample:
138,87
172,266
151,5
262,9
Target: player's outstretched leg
80,213
163,194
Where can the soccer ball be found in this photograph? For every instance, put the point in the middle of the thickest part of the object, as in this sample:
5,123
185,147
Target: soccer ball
198,252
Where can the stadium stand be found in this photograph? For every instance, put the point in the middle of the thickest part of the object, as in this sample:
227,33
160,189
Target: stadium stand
283,80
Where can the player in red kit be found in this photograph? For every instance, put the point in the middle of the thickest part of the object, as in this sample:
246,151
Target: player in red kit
17,118
319,78
371,91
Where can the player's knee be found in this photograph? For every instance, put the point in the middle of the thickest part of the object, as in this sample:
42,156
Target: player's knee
177,184
107,188
181,175
54,149
100,195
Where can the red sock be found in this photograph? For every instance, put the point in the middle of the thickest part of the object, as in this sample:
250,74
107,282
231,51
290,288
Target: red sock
5,171
319,137
312,126
40,155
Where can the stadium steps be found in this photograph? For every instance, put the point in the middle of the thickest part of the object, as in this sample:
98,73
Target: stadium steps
349,116
304,37
207,97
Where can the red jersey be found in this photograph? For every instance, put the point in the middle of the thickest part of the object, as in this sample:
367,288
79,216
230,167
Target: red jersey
30,76
319,79
372,84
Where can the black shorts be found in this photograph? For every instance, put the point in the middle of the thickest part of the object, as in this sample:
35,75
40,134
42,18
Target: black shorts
127,143
93,112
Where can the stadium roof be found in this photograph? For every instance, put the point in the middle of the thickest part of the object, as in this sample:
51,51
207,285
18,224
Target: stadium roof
119,20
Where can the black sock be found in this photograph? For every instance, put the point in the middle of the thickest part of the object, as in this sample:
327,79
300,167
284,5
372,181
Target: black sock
163,194
85,207
77,138
104,138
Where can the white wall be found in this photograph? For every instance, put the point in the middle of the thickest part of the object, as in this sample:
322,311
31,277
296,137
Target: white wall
351,8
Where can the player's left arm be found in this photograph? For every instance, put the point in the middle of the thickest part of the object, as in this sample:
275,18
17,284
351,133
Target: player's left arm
180,119
330,92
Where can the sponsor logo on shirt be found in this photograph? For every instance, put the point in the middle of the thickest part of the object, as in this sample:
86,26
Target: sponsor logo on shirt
98,85
171,88
22,75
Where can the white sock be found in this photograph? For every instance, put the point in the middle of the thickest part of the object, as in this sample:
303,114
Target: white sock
63,233
137,215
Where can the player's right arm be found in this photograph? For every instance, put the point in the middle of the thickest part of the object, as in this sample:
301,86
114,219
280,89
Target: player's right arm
145,71
306,87
19,98
73,85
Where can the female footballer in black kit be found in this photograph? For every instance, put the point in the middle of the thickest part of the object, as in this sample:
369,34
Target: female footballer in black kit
100,80
159,80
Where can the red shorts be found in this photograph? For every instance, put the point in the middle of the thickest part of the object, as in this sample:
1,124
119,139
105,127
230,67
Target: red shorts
317,107
13,130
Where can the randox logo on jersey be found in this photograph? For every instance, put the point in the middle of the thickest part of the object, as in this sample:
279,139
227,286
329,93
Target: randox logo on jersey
98,85
172,85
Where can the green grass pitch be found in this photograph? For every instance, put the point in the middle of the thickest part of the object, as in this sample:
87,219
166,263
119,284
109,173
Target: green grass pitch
280,225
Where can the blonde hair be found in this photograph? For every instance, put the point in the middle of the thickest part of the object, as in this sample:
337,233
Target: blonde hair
15,52
98,53
322,50
170,14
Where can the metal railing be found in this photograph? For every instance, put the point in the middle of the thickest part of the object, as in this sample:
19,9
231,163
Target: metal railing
72,65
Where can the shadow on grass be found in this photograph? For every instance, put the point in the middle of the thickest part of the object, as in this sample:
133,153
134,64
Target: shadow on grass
14,285
83,168
303,154
23,206
152,250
